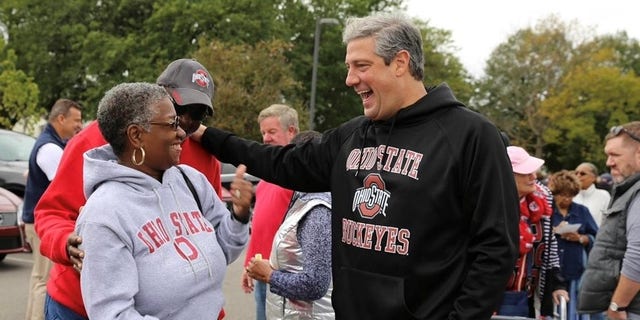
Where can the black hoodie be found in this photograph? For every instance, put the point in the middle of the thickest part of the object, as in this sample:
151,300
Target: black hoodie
425,223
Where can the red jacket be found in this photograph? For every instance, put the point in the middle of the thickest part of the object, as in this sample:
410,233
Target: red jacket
57,210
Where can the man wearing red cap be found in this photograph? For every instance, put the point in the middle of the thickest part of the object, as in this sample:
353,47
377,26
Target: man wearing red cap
191,87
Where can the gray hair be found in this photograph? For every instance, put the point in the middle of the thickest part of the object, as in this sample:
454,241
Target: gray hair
392,33
288,116
126,104
62,107
592,167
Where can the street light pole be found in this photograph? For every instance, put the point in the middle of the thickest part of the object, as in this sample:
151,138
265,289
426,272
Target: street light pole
314,70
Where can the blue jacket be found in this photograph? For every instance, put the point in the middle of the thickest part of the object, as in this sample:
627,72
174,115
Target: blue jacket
37,181
573,255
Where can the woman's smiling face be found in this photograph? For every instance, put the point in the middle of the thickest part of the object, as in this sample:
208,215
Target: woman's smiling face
162,143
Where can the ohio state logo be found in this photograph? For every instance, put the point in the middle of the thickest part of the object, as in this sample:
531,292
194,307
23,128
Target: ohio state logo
371,199
533,206
201,78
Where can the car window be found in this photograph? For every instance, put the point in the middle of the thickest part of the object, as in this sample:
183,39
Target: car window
15,147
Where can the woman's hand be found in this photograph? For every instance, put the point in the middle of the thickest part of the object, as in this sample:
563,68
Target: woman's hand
246,282
259,269
241,195
560,293
576,237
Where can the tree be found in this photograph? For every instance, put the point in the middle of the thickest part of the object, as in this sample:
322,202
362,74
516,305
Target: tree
18,92
557,93
248,78
79,49
441,64
600,91
520,74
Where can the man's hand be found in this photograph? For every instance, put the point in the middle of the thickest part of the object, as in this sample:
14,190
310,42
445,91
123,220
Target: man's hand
197,135
241,195
75,255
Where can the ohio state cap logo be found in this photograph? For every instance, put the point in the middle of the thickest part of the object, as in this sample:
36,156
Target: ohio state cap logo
201,78
373,198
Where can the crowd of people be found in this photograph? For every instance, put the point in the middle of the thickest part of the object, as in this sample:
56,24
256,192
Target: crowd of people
418,209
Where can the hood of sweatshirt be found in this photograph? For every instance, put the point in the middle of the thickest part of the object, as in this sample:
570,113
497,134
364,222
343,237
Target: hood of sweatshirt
101,165
437,98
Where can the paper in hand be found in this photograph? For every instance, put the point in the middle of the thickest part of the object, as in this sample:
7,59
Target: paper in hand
567,228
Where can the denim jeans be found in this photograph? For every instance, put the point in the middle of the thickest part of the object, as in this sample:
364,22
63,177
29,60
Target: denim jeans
260,293
56,311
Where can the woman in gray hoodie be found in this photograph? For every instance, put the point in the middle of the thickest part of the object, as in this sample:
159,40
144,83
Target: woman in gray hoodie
157,238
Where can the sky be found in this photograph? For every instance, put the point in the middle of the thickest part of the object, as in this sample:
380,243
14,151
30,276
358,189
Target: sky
478,27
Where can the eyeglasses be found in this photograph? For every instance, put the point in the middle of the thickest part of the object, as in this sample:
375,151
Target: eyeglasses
620,129
581,173
175,124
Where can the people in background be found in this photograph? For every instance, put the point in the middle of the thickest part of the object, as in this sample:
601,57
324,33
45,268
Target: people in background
612,279
596,200
278,125
65,121
298,271
573,245
536,274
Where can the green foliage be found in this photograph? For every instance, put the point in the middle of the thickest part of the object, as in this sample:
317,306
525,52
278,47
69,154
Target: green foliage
441,64
520,74
248,78
596,95
18,92
78,49
557,95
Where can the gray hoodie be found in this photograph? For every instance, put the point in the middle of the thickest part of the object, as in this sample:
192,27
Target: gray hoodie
149,251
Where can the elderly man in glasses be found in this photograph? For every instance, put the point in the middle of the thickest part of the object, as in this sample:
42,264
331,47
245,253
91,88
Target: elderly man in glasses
596,200
612,279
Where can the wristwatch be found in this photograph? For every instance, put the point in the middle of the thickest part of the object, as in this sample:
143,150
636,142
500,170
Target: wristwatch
615,308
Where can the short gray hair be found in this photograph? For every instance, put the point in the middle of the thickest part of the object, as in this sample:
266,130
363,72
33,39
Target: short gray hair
126,104
288,116
592,167
392,33
62,107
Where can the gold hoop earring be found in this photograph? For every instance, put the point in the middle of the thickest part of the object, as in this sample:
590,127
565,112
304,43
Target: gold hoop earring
133,157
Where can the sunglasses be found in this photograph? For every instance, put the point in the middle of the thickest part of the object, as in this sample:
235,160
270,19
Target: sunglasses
617,130
197,114
175,124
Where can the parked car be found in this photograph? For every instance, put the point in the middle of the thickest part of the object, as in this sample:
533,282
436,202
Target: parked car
12,237
15,149
228,172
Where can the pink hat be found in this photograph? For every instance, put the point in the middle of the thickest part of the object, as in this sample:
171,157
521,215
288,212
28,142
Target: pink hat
522,162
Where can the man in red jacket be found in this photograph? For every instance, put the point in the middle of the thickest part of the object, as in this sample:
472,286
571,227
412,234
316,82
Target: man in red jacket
191,87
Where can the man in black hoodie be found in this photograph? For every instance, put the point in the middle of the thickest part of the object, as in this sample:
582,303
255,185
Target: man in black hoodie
425,210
